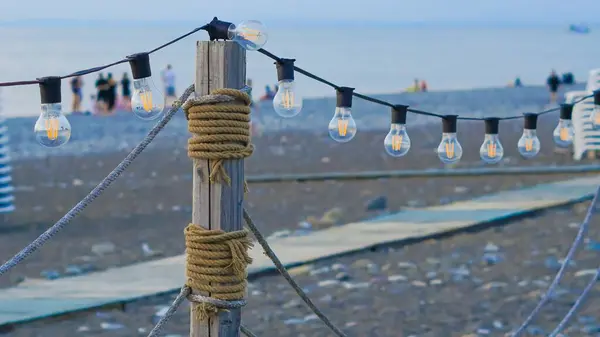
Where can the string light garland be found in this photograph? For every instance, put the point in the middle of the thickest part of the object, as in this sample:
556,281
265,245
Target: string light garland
52,129
449,151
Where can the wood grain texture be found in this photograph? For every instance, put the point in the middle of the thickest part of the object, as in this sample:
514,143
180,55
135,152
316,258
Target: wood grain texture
39,299
219,64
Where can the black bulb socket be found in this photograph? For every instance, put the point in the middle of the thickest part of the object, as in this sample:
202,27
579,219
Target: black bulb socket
492,125
218,30
449,123
597,97
344,97
140,65
566,111
285,69
50,89
530,121
399,114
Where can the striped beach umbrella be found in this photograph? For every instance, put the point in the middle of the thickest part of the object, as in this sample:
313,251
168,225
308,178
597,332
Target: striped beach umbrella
6,188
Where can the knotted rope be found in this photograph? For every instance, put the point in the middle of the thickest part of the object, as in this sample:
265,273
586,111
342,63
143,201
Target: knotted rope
220,127
216,263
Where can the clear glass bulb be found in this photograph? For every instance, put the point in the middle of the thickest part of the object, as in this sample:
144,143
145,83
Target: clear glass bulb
396,142
52,129
529,144
564,133
147,102
491,151
449,151
251,34
287,103
342,127
595,117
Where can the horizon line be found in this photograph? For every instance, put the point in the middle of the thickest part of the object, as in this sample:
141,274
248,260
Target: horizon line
297,22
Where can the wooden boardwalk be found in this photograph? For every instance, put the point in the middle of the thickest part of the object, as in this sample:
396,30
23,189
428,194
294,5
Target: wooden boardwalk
37,300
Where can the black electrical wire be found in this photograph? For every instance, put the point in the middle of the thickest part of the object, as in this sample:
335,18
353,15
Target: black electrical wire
388,104
278,59
99,68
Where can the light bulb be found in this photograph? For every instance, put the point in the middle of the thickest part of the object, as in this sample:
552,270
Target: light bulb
286,103
147,102
449,151
52,129
595,115
250,34
529,144
491,151
342,127
397,142
563,133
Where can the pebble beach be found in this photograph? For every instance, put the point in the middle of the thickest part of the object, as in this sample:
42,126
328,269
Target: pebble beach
478,284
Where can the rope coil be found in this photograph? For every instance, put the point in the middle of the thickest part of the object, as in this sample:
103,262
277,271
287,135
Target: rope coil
220,127
216,263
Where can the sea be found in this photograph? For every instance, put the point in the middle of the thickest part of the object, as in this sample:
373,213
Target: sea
372,59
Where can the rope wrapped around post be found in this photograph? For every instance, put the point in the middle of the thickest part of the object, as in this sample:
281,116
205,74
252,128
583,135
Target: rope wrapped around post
220,127
216,261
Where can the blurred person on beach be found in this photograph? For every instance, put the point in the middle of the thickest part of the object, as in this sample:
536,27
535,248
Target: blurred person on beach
553,83
168,78
76,88
102,94
423,86
415,87
269,94
518,82
126,91
111,93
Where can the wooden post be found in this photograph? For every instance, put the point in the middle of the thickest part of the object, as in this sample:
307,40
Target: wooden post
219,64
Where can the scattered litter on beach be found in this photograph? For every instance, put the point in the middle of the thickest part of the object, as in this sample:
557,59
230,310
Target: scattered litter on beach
103,248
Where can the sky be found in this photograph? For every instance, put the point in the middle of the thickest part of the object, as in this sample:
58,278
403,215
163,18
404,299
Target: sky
306,11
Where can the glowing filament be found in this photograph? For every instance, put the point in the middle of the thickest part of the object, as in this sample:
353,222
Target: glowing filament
491,150
396,142
450,150
250,34
288,99
52,126
529,145
146,98
342,127
564,134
